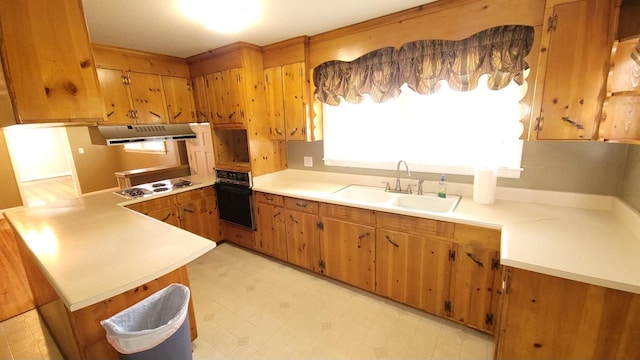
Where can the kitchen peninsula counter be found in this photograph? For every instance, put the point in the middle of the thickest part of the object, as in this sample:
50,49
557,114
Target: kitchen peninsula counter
91,250
593,239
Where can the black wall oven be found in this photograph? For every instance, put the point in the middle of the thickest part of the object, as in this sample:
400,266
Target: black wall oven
233,191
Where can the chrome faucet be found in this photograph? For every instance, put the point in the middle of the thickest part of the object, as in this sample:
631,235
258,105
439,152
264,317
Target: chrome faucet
398,187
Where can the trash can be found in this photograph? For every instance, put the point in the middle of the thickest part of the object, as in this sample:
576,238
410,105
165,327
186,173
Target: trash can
155,328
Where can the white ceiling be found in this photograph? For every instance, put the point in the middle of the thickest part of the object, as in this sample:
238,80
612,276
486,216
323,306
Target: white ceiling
158,26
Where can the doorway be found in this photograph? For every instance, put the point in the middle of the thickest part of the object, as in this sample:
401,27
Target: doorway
42,161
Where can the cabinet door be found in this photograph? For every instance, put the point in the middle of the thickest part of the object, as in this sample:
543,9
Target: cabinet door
274,97
234,81
116,96
294,100
168,215
200,216
147,97
217,98
303,244
199,90
578,51
179,97
474,276
270,237
49,61
348,252
414,270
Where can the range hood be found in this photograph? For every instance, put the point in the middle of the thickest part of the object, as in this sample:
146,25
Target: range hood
123,134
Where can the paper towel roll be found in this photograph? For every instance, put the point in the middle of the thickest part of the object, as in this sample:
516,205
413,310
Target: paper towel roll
484,186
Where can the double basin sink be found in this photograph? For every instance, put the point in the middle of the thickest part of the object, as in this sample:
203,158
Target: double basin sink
376,196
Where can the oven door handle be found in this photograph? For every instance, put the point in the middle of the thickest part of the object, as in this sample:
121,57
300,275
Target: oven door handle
238,189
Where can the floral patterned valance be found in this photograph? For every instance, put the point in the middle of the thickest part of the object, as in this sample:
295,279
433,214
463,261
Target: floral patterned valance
498,52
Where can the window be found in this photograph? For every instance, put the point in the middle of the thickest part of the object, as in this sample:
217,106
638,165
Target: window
148,147
449,132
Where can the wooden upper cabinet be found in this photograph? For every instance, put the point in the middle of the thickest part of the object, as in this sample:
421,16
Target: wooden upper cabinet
574,60
288,95
226,95
147,97
274,102
48,62
179,96
117,101
201,105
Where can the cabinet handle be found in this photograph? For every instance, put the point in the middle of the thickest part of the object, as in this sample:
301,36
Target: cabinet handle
363,236
475,259
232,115
278,131
268,198
166,217
293,131
292,219
110,113
276,214
218,115
302,205
391,241
188,210
156,115
573,122
178,114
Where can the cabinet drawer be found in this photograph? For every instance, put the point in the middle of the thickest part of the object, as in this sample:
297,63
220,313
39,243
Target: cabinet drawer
415,225
360,216
478,236
195,194
276,200
237,235
155,204
301,205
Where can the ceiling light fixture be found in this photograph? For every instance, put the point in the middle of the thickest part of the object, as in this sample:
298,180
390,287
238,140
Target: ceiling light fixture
223,16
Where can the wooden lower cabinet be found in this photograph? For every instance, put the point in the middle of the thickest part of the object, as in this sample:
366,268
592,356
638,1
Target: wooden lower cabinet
198,213
545,317
301,223
15,295
238,235
271,236
195,211
348,245
413,269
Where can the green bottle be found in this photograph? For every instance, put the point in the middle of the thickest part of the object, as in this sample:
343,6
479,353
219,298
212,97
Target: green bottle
442,187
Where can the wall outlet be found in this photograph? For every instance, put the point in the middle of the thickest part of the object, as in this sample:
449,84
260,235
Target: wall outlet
308,161
80,150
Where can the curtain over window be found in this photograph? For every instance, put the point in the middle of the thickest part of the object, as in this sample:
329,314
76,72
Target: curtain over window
497,52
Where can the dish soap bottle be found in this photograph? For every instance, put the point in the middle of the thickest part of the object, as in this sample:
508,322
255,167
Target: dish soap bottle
442,187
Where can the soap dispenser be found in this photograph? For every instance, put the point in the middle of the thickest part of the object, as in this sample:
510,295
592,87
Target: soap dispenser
442,187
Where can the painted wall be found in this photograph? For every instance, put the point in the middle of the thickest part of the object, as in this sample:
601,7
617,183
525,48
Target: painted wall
631,183
39,153
582,167
10,195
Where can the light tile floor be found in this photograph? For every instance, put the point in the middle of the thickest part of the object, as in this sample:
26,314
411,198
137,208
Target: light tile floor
251,307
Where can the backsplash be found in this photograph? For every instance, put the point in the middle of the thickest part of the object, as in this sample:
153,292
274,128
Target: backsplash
582,167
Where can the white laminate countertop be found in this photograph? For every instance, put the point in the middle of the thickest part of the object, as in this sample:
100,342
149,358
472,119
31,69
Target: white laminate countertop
92,248
589,238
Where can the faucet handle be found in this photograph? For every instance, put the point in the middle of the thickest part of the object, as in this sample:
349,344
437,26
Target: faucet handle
409,188
420,190
387,187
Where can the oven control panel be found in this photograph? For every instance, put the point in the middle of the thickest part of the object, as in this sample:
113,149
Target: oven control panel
234,177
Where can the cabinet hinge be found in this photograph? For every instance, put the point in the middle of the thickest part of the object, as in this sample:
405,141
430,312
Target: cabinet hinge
448,307
495,264
238,77
266,78
553,23
300,71
539,123
488,319
126,80
452,255
320,225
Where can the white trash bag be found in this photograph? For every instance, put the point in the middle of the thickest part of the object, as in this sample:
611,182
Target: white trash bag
148,323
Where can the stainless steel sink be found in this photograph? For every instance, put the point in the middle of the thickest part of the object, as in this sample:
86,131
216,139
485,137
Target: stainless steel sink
377,196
